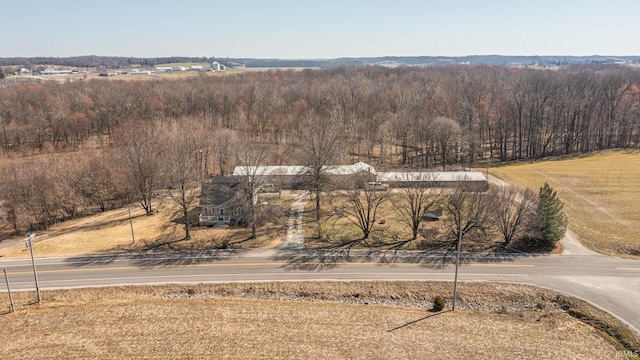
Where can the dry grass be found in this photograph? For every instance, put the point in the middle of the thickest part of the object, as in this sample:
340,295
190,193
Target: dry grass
256,321
338,230
600,194
110,232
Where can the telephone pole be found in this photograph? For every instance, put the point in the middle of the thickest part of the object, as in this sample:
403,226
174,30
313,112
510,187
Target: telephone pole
29,244
455,281
133,238
11,307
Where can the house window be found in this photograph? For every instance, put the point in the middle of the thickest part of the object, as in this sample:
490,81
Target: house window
220,218
221,211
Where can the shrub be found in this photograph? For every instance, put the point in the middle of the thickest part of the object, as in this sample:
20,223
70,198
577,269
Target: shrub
551,219
438,303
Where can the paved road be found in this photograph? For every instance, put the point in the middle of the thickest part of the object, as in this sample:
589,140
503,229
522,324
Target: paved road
610,283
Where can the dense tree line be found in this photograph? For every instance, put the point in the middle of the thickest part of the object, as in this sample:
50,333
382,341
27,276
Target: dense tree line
424,117
433,118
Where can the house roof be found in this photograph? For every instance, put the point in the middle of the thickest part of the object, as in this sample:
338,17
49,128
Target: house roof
268,170
219,191
351,169
443,176
298,170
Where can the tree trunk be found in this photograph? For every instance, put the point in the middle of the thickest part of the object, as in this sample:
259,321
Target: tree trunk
187,234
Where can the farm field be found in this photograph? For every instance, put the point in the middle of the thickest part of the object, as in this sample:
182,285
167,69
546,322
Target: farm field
298,320
600,193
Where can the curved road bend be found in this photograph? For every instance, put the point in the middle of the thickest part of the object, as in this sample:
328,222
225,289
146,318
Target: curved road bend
612,284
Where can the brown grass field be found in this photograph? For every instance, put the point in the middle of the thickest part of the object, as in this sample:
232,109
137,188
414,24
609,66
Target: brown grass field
327,320
110,232
600,193
337,230
342,320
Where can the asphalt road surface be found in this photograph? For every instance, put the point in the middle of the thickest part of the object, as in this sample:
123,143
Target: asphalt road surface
612,284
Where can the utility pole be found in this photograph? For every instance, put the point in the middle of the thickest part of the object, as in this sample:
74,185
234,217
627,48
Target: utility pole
29,244
133,238
455,281
11,307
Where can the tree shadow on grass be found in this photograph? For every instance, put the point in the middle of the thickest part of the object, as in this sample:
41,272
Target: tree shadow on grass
418,320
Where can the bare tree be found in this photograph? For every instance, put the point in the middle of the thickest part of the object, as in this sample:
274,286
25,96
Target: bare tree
225,143
413,202
321,143
182,169
362,208
468,212
141,149
446,131
513,209
251,160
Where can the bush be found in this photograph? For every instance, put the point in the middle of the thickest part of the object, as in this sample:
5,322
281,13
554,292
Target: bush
438,303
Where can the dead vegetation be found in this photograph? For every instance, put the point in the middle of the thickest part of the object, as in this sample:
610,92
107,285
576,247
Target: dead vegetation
600,192
367,320
110,233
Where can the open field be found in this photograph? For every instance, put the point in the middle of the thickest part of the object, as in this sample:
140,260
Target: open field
110,232
365,320
600,194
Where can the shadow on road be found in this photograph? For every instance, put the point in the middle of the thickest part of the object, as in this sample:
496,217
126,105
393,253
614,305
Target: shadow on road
158,259
326,259
320,259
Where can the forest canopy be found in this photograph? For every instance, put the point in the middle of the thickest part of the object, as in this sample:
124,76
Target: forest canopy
406,117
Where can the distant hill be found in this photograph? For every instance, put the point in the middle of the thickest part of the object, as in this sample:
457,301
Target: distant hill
114,62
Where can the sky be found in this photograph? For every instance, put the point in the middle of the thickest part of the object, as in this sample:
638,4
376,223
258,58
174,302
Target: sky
304,29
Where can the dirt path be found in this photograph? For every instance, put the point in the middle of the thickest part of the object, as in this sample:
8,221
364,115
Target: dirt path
295,237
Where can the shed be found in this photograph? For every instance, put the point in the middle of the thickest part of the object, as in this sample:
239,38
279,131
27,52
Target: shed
471,180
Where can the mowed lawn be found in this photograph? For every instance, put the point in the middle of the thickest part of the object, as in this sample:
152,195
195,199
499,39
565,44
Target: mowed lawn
601,195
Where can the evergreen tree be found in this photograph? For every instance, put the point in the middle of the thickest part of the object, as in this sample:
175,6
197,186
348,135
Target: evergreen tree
1,73
552,221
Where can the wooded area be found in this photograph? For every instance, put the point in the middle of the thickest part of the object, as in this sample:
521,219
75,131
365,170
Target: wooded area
92,145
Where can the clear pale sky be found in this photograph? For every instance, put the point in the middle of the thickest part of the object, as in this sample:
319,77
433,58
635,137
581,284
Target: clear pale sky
291,29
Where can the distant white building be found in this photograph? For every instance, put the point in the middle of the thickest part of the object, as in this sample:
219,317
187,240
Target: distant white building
179,68
215,66
24,71
140,72
56,72
164,68
197,68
